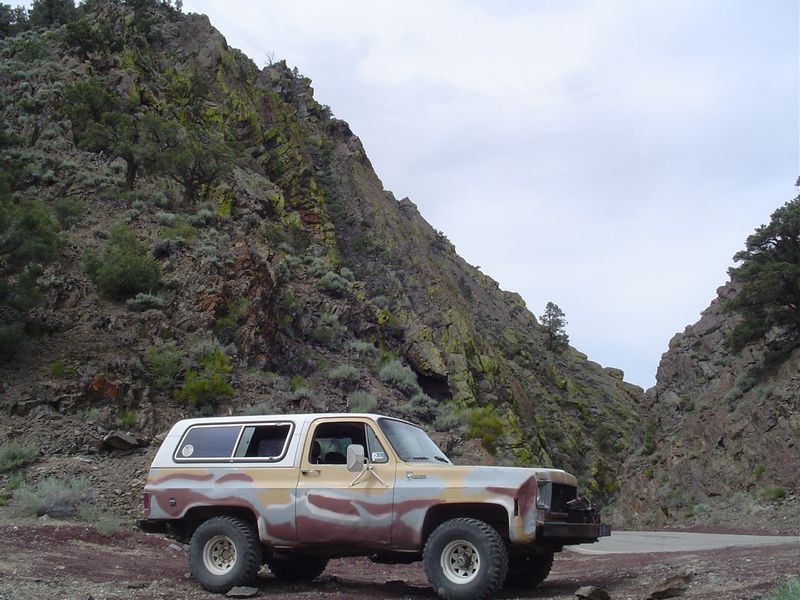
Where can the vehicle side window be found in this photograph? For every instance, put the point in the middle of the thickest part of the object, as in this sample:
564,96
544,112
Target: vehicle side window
208,442
264,441
375,451
329,446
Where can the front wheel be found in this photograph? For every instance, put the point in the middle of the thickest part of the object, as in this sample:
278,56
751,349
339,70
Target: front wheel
224,552
465,559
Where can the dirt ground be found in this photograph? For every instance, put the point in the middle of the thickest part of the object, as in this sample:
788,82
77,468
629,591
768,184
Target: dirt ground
54,560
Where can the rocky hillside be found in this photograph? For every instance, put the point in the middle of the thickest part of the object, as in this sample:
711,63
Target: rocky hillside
184,233
721,445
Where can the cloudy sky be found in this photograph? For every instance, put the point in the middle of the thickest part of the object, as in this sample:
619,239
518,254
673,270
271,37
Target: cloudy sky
610,156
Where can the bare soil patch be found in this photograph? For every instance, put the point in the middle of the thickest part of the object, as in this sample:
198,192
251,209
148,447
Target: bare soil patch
54,560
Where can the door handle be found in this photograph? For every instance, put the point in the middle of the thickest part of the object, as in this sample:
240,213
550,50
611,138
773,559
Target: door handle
310,471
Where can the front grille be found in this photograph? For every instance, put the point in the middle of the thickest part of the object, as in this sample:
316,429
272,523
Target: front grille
561,495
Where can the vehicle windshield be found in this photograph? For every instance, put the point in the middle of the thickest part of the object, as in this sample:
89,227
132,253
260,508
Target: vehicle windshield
411,443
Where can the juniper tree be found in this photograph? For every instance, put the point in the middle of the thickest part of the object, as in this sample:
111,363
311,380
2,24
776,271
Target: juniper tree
119,126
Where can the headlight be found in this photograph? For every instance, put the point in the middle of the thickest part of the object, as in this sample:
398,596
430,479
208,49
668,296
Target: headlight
544,493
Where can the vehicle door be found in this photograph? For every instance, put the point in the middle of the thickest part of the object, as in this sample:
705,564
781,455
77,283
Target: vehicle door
337,506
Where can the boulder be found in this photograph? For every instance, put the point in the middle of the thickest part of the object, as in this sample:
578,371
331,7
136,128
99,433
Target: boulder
423,355
671,587
242,592
590,592
120,440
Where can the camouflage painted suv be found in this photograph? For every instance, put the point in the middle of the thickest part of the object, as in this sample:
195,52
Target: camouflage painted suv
293,491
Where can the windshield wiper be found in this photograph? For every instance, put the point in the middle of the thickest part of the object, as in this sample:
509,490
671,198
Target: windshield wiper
440,459
420,458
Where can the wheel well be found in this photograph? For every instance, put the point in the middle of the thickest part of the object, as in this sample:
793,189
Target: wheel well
492,514
195,516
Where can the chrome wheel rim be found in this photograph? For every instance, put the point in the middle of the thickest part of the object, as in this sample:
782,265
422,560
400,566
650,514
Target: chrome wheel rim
460,561
219,555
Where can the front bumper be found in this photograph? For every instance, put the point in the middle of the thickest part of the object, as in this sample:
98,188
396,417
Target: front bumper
578,524
574,533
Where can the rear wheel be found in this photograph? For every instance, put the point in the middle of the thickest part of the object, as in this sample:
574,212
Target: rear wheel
297,568
465,559
527,571
224,552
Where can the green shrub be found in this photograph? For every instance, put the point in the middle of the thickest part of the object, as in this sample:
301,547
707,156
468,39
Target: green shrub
788,590
127,419
758,471
167,219
145,301
107,525
344,374
300,393
164,363
68,211
14,456
316,266
451,417
333,284
380,301
328,333
347,274
296,382
400,376
180,231
364,349
30,233
202,217
209,384
54,497
57,368
420,408
257,409
487,426
124,267
15,481
361,401
61,369
90,415
226,325
649,442
773,492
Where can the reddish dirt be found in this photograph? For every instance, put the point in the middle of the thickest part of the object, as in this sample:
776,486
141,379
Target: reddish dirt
57,560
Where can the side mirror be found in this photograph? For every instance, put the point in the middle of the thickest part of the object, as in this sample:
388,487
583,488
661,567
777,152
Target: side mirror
355,458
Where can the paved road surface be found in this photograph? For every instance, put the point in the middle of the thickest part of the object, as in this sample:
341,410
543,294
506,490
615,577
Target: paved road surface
639,542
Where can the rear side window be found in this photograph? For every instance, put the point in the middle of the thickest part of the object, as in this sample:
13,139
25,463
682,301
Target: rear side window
213,441
264,442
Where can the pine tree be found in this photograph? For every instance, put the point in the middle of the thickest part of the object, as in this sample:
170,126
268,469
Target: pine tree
768,277
554,322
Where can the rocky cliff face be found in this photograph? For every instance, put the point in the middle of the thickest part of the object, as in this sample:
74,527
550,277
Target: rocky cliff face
290,280
721,442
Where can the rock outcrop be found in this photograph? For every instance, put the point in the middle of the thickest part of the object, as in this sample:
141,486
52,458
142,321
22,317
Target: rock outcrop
721,441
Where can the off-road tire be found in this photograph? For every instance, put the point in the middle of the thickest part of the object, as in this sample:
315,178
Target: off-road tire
525,572
297,568
225,552
465,559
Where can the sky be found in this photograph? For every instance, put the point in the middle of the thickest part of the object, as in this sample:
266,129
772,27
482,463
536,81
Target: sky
607,155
